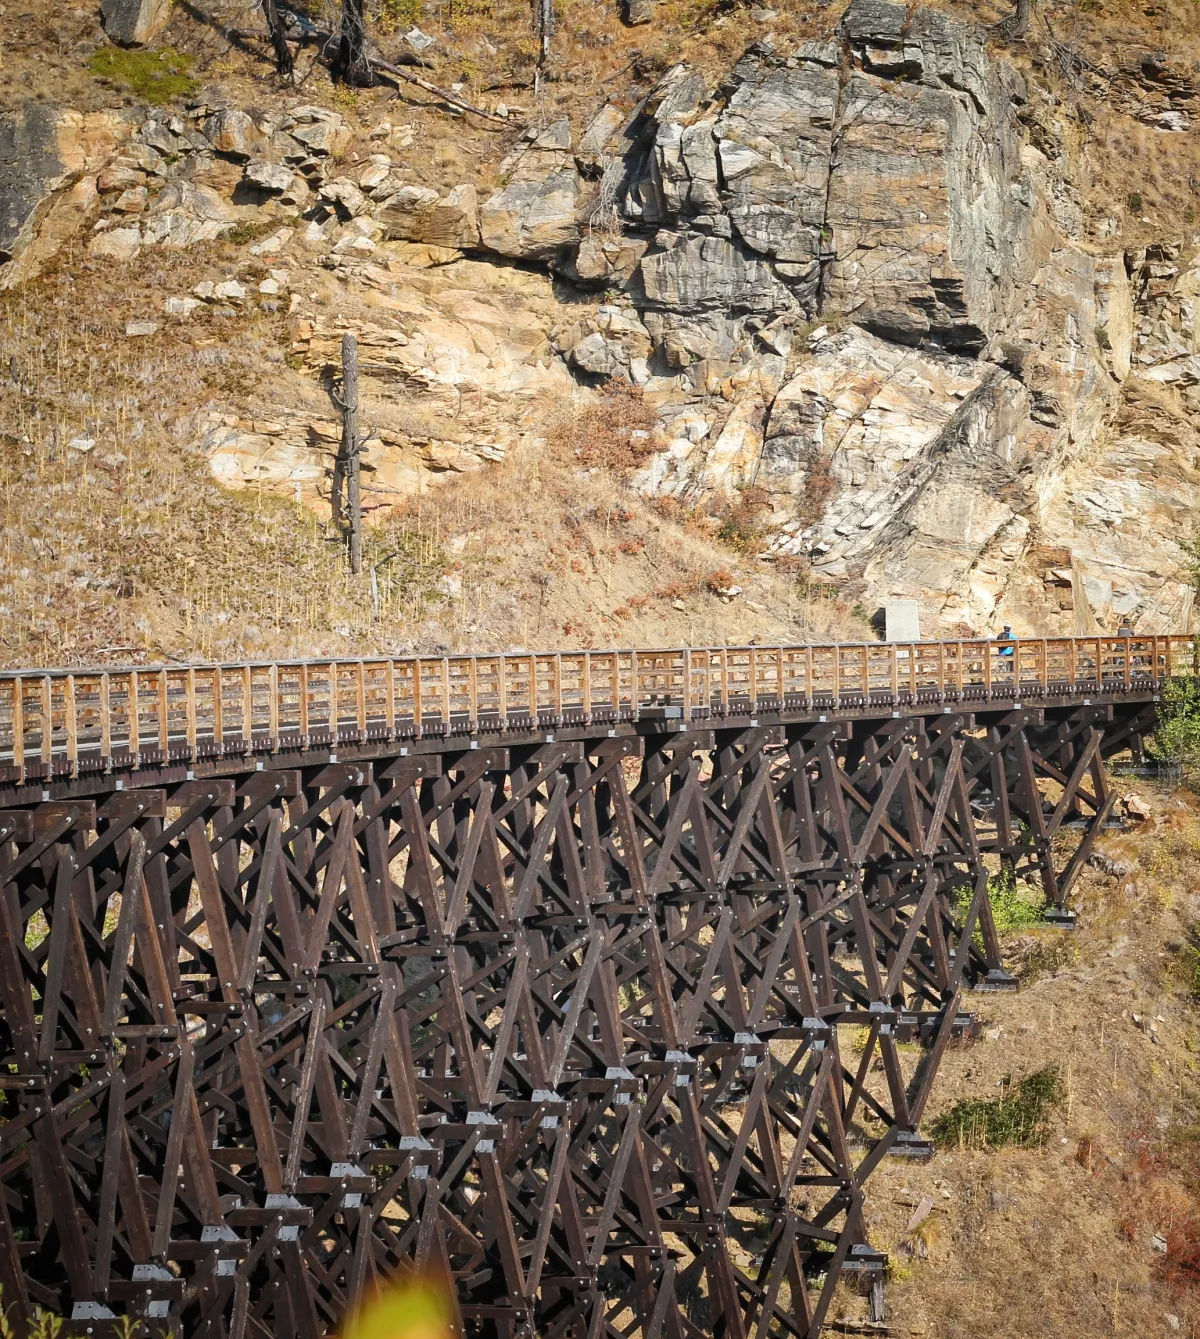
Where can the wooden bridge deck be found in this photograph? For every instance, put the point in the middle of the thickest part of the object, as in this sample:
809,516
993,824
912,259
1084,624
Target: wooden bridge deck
60,724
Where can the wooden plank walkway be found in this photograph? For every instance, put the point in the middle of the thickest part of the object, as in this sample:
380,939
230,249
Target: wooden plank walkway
63,723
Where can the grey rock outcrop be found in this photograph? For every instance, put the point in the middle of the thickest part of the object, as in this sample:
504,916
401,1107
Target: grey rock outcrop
134,22
535,214
31,170
49,160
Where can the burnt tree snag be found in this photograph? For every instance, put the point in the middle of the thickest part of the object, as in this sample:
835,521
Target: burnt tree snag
352,65
350,454
278,34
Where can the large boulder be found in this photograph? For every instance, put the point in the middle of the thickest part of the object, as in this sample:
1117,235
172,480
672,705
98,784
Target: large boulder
233,133
536,213
418,214
134,22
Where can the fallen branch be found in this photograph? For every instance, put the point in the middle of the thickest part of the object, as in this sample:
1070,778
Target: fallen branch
313,34
401,73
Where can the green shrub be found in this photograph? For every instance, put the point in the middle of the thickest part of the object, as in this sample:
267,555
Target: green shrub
1017,1117
1177,736
1015,906
393,15
154,76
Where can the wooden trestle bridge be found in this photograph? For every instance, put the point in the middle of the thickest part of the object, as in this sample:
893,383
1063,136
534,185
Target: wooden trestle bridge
531,969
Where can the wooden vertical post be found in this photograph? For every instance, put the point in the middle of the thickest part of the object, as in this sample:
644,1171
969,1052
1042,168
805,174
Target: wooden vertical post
72,726
191,714
135,744
47,725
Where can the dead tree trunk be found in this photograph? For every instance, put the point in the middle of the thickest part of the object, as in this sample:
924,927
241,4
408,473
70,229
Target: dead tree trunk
350,448
278,34
544,19
352,66
1016,25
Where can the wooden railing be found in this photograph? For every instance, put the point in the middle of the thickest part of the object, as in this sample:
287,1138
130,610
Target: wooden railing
66,722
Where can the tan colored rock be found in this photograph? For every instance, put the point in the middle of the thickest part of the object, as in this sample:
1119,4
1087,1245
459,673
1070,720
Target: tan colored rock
463,348
319,130
234,133
264,175
120,175
613,257
1114,315
121,244
417,214
132,201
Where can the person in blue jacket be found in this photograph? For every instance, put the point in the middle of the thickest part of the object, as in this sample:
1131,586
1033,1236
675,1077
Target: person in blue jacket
1006,636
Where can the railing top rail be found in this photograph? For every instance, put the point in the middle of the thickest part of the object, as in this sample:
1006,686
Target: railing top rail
179,666
57,723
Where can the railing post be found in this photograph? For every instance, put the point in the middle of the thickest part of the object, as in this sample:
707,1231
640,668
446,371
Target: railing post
445,695
558,698
47,725
190,711
273,690
218,684
135,735
360,700
164,723
105,722
389,706
18,716
304,724
247,710
72,724
335,718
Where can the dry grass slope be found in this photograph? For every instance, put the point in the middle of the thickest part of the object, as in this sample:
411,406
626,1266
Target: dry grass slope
1093,1230
129,551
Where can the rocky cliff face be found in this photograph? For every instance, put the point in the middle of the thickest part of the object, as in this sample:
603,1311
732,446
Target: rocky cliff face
851,275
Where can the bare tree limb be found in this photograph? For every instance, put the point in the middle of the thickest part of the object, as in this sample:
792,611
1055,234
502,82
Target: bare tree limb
451,98
1016,25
